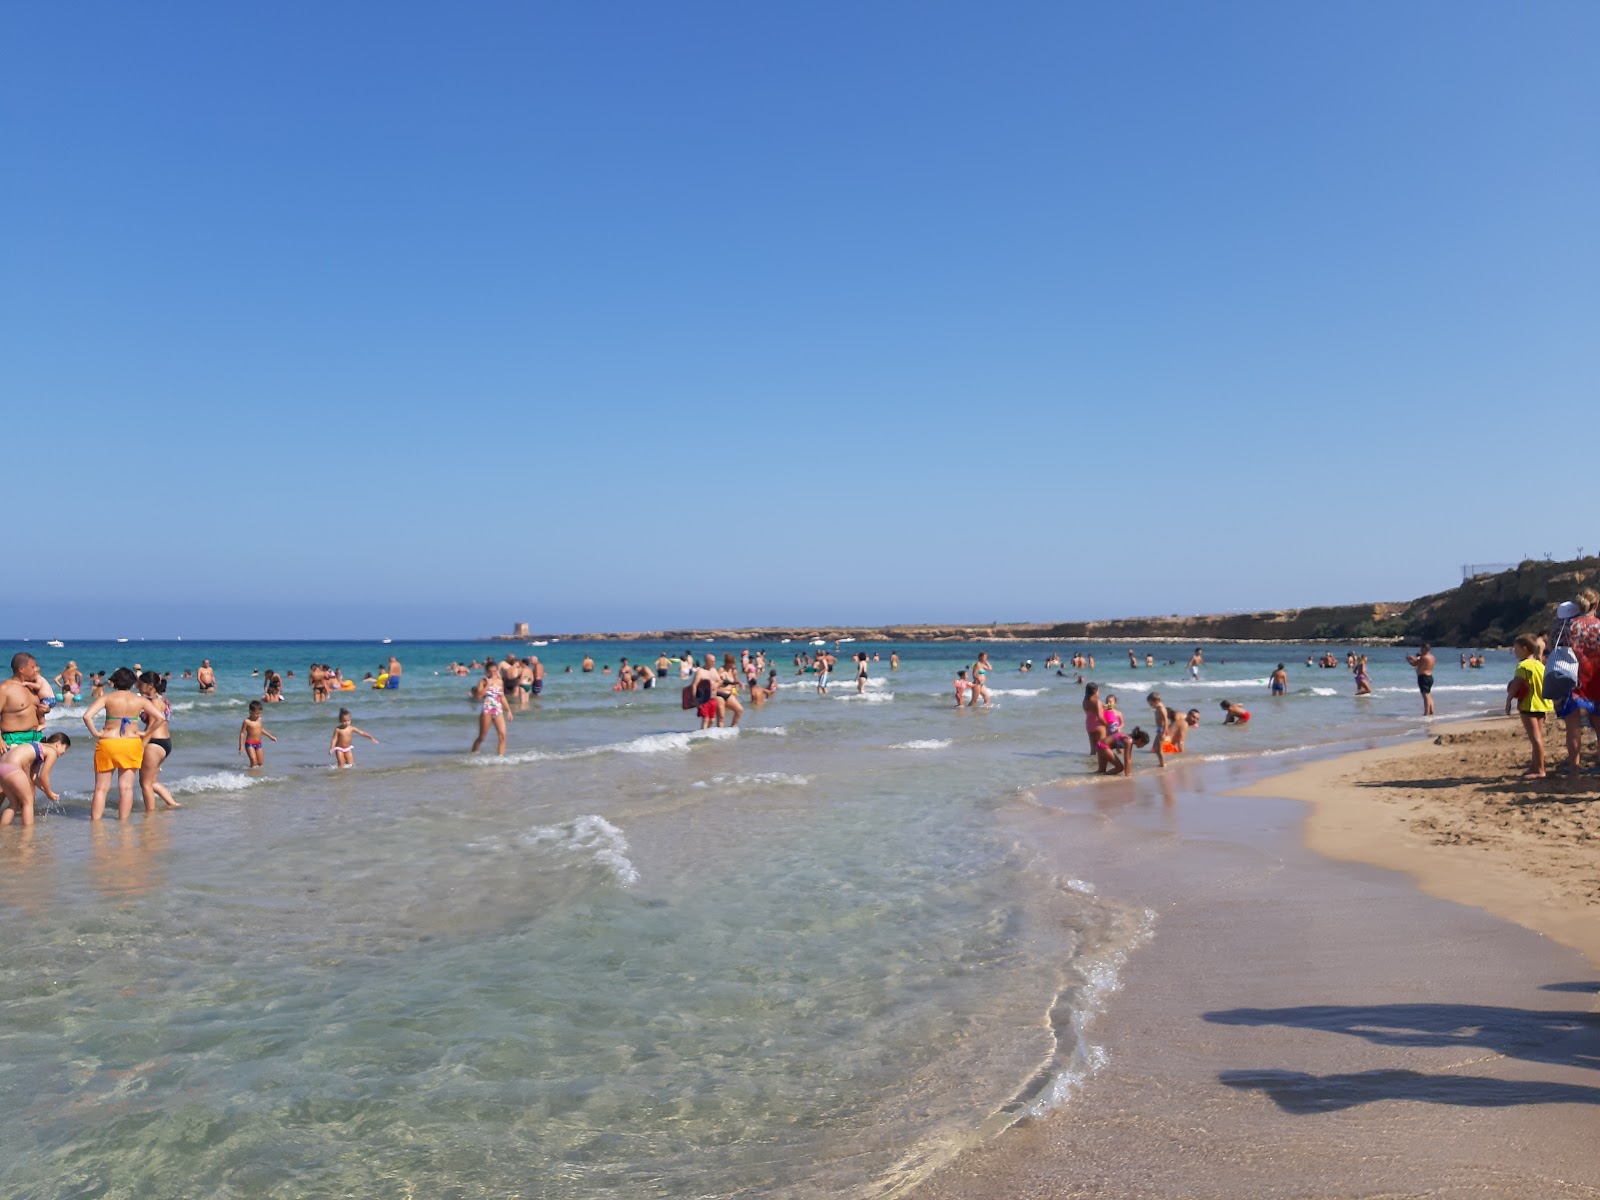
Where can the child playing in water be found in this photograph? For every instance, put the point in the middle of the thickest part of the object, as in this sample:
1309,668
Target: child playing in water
24,768
344,735
961,688
250,734
1526,691
1236,715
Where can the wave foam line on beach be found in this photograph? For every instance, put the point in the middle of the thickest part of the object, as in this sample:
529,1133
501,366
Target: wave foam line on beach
753,780
219,781
650,743
923,744
589,836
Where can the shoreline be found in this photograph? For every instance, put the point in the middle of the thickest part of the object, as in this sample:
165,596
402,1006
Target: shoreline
1294,1006
1428,810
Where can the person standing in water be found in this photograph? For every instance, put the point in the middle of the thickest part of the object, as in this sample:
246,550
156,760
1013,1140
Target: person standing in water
1423,662
158,743
342,747
23,768
1279,683
119,746
205,676
1196,661
861,672
394,671
491,696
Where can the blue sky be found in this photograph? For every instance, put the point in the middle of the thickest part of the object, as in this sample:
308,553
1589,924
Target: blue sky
347,319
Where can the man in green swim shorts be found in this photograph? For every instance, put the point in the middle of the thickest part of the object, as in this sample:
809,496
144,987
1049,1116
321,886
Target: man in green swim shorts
24,700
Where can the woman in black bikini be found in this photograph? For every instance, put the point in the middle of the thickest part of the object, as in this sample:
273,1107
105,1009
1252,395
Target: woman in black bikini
159,745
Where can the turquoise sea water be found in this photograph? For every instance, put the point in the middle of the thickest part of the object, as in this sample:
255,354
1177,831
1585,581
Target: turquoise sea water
626,959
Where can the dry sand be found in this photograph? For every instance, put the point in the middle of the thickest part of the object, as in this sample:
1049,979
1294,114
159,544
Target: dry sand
1301,1026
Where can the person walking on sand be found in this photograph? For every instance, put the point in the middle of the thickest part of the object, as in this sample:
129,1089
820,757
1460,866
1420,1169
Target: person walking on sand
1423,662
1526,691
1582,636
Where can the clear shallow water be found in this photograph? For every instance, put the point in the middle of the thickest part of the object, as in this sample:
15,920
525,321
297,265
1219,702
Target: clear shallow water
627,958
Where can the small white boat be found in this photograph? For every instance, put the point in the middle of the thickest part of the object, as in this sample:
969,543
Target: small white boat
842,641
784,641
386,641
122,639
57,643
819,641
538,643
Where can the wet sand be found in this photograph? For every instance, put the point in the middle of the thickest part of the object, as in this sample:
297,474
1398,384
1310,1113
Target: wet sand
1455,813
1300,1026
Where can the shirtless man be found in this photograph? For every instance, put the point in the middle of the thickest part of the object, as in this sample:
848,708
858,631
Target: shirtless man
394,671
704,683
1423,661
1196,661
588,664
663,665
538,674
24,700
206,677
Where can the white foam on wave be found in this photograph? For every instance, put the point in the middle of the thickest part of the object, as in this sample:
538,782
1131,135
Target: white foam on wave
1316,691
1140,687
769,730
219,781
922,744
1445,687
593,836
759,778
63,712
1014,692
650,743
1098,980
869,697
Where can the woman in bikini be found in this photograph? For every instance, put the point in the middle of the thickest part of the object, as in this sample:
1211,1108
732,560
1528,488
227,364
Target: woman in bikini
24,768
119,744
728,693
861,672
1094,717
158,744
490,693
980,680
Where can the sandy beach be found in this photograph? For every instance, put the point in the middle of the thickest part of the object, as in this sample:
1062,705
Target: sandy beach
1454,813
1306,1022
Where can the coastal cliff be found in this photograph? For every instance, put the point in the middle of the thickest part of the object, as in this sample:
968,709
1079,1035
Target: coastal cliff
1489,610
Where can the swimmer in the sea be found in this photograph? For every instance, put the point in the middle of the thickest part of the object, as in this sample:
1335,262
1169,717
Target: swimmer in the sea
1236,715
1279,683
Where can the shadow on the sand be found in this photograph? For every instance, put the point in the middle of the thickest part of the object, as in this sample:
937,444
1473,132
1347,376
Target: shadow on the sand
1536,1035
1299,1093
1434,781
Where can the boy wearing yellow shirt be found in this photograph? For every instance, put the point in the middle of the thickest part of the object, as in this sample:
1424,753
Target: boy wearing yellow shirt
1526,691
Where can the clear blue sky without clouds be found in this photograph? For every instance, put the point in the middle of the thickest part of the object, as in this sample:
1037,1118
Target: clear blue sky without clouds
415,319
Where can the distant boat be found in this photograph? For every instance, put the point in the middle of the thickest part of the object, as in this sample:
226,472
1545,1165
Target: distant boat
122,639
843,640
56,642
538,643
819,641
386,641
786,641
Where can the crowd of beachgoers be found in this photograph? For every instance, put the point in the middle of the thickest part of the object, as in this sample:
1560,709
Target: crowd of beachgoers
128,716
